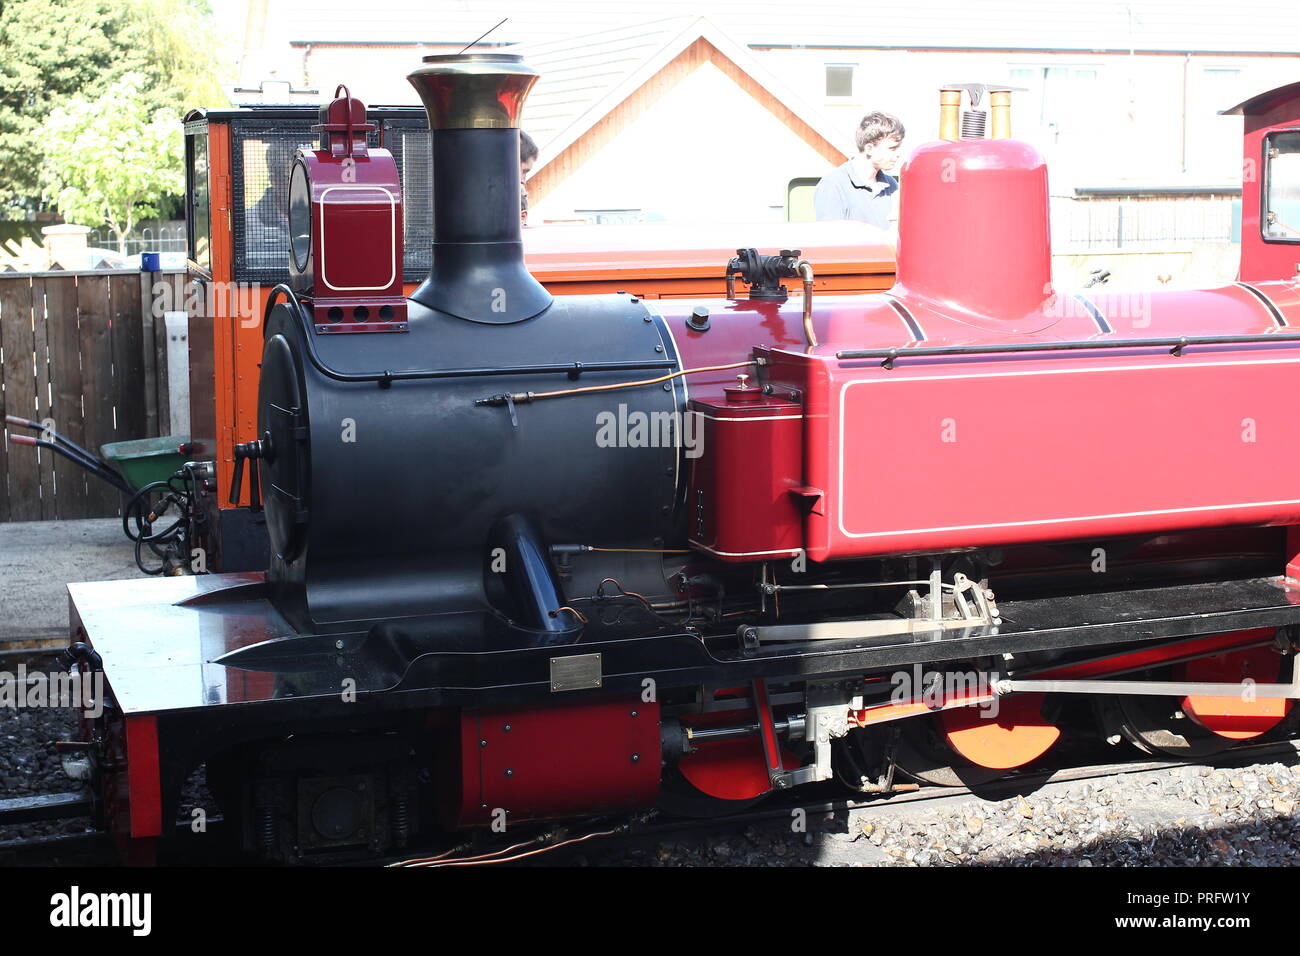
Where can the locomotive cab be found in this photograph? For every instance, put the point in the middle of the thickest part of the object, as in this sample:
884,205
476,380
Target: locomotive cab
1270,191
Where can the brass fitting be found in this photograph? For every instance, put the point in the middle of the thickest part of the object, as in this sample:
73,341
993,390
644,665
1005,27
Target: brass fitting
1000,108
949,111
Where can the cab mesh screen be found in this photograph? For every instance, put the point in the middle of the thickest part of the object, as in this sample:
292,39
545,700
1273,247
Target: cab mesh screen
262,153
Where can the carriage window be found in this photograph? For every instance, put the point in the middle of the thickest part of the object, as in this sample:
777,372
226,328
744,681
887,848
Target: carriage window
1281,219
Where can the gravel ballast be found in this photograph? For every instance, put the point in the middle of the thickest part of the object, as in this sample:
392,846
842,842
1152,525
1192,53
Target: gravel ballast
30,766
1179,816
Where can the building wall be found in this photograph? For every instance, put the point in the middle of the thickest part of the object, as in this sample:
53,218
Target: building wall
1097,118
705,150
375,74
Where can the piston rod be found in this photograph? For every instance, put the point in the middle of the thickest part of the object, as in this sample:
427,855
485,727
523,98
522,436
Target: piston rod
791,727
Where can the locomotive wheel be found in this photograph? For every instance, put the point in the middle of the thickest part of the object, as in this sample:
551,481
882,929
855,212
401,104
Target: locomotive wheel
1234,717
678,796
966,747
721,777
922,755
1018,734
1158,726
1199,726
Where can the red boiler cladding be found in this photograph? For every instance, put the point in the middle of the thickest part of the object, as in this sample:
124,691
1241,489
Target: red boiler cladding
973,405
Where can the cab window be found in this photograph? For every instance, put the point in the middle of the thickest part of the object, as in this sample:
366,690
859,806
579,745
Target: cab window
1281,214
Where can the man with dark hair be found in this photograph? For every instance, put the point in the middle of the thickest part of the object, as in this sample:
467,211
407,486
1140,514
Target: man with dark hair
862,188
527,156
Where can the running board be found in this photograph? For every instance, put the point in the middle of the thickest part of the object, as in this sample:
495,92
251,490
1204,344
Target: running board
154,649
1072,621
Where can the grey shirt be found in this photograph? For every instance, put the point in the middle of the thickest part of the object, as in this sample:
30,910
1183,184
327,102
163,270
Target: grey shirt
845,194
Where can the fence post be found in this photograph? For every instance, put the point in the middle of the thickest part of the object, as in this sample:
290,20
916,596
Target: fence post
149,352
94,313
66,377
24,483
4,438
178,371
130,399
44,403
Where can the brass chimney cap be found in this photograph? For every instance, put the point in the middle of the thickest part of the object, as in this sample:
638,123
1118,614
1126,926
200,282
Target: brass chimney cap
473,90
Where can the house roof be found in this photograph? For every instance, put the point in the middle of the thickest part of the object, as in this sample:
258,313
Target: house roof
579,73
1247,26
583,78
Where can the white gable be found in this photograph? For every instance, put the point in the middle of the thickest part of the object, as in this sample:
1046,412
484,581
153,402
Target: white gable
731,162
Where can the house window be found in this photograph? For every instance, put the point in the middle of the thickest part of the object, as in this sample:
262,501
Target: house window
1055,94
1222,75
839,79
799,199
1223,86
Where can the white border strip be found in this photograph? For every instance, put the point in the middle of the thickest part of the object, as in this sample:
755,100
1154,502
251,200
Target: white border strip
392,245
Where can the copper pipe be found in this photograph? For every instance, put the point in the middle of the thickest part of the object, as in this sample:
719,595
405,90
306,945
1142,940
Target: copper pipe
806,273
488,859
643,550
1000,107
572,610
949,108
534,396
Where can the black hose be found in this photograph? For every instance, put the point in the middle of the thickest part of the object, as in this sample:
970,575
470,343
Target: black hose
173,541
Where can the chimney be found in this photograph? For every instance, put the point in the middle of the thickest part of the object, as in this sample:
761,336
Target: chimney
474,101
973,232
66,245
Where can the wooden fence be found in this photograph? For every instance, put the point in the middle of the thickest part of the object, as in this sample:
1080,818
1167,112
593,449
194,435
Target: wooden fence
84,350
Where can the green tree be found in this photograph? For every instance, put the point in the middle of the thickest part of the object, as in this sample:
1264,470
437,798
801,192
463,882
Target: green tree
110,161
52,50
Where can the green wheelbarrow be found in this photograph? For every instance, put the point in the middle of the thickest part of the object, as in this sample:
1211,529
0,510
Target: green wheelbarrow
145,470
126,465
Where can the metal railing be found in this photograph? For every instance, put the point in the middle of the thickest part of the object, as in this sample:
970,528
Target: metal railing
153,237
1138,224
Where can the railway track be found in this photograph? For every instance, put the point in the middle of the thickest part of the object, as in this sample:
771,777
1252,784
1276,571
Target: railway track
622,834
556,844
934,797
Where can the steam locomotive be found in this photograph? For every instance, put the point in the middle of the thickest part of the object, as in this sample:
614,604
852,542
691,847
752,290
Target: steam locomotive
539,557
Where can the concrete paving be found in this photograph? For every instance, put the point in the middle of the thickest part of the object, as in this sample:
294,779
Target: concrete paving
39,558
